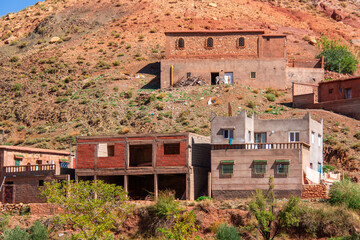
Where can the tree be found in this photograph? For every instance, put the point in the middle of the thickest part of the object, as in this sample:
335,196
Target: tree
93,207
338,57
269,220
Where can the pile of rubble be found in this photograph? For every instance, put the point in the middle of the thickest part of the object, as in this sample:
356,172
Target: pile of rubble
191,81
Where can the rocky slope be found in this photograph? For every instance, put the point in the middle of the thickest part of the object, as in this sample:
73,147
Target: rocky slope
82,67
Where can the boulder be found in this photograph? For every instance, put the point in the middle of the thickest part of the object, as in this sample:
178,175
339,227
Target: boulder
55,40
312,40
337,15
356,42
212,4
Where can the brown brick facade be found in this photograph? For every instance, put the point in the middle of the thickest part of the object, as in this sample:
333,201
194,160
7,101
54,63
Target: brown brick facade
85,156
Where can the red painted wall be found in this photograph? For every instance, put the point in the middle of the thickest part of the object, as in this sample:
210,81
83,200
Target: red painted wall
171,159
338,91
85,156
117,161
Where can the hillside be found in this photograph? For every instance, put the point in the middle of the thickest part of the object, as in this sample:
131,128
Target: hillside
82,67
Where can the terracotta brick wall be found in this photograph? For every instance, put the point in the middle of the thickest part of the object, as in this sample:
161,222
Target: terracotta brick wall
44,209
117,161
314,191
85,156
171,159
338,89
223,44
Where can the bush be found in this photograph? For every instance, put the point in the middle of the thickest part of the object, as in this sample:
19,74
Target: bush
338,58
328,168
166,205
356,146
203,198
251,104
322,221
357,135
38,231
14,59
270,97
347,193
15,234
226,232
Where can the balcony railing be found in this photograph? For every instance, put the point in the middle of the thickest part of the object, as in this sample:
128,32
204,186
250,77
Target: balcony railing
254,146
40,169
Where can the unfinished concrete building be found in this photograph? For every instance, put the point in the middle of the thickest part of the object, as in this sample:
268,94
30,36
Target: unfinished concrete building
246,57
247,150
24,170
147,164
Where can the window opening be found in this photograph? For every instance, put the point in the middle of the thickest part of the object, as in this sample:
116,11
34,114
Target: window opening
331,90
253,75
181,43
209,43
294,137
228,133
241,42
227,167
171,148
260,166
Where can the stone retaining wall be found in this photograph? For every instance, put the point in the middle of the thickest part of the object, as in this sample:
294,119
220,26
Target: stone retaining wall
314,191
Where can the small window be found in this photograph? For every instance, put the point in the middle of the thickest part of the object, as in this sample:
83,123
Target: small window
282,169
41,183
319,140
260,166
227,167
181,43
331,90
249,136
209,43
171,148
348,93
253,75
241,42
311,165
188,75
294,137
17,162
340,90
111,150
228,133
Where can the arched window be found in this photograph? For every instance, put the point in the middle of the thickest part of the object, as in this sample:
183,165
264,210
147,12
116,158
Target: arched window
209,43
181,43
241,42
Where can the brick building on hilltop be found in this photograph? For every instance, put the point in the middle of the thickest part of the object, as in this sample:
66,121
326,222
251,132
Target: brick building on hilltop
146,164
341,96
249,57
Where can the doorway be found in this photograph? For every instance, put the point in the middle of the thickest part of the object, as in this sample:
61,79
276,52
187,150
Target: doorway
9,194
348,93
228,78
213,77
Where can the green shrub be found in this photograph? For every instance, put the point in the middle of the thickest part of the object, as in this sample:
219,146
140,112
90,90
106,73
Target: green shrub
357,135
128,94
4,221
17,87
347,193
14,59
226,232
38,231
322,221
356,146
15,234
251,104
270,97
328,168
203,198
166,205
337,57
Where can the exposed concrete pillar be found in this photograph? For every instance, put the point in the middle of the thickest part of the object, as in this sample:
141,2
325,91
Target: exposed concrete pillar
156,187
154,150
190,184
209,184
126,182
